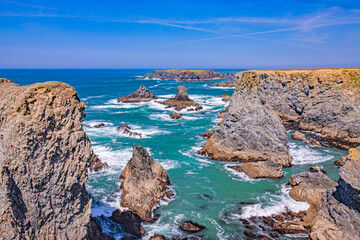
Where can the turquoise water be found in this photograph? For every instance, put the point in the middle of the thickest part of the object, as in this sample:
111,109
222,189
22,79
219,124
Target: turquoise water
207,192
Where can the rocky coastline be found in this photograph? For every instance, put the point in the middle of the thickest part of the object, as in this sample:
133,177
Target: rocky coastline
187,75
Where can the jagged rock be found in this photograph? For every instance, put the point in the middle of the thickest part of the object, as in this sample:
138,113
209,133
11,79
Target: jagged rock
298,136
340,162
326,101
314,142
260,169
175,115
96,164
250,130
130,221
187,75
157,237
141,95
181,100
126,130
44,160
95,231
316,169
191,227
225,97
99,125
208,133
144,184
339,214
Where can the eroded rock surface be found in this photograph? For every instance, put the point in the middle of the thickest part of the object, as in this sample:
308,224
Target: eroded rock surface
260,169
141,95
145,183
126,130
250,130
44,160
97,165
181,100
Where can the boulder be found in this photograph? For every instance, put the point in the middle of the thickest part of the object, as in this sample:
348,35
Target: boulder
191,227
181,100
145,183
260,169
129,221
316,169
314,142
298,136
44,159
96,164
340,162
99,125
175,115
141,95
250,131
225,97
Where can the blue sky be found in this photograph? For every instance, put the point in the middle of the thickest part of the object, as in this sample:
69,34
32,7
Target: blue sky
181,34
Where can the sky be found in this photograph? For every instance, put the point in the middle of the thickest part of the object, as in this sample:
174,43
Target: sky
179,34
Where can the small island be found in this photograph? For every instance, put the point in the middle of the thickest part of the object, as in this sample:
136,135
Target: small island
188,75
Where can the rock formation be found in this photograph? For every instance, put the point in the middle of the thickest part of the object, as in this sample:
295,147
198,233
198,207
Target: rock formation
250,130
191,227
181,100
44,160
227,84
339,214
187,75
96,165
126,130
314,142
260,169
316,169
141,95
340,162
129,221
175,115
225,97
145,183
299,136
326,101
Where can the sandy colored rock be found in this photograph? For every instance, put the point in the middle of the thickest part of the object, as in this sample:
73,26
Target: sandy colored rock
261,169
250,131
145,183
157,237
298,136
208,133
314,142
140,95
175,115
225,97
316,169
181,100
44,160
340,162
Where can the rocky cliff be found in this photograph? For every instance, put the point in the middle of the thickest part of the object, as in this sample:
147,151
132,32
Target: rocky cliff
250,130
44,158
326,101
145,183
187,75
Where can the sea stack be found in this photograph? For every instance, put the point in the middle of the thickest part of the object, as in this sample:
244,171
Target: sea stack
250,130
181,100
44,159
145,183
141,95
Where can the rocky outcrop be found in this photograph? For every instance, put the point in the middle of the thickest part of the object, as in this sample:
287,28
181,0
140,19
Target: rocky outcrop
175,115
316,169
339,215
260,169
314,142
226,84
181,100
145,183
326,101
100,125
96,165
126,130
141,95
250,130
191,227
187,75
340,162
299,136
225,97
208,133
129,221
44,159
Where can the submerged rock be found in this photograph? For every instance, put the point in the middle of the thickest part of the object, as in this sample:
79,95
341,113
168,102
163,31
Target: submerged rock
145,183
126,130
299,136
96,164
187,75
44,159
260,169
175,115
141,95
181,100
250,130
191,227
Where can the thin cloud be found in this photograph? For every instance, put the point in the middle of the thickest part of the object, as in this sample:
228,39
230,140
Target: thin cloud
22,4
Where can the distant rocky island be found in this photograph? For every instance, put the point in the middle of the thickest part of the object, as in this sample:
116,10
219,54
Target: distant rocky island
188,75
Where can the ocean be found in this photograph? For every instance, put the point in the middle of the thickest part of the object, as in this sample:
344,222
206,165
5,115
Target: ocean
206,191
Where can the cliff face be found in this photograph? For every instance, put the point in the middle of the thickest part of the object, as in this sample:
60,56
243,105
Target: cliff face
250,130
321,100
187,75
44,159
